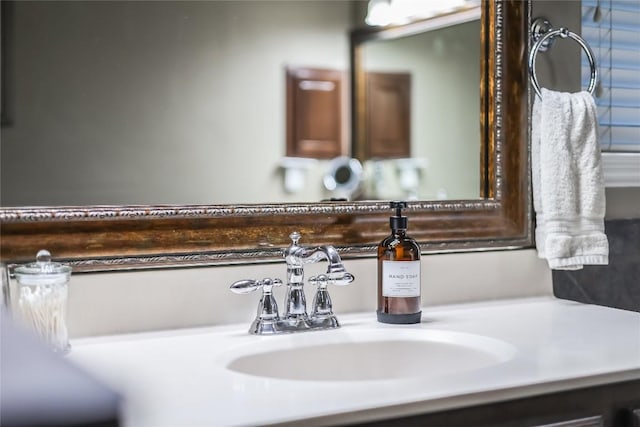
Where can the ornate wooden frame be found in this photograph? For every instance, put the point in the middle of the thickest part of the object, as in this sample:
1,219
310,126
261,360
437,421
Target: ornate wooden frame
98,238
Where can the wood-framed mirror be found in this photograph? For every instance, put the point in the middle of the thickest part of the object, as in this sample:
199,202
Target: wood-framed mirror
99,238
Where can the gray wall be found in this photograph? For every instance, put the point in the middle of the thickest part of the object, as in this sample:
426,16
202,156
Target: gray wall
615,285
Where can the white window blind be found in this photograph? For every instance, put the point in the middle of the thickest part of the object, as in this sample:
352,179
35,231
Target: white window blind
612,29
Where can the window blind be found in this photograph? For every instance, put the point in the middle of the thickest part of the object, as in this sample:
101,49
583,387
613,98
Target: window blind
612,29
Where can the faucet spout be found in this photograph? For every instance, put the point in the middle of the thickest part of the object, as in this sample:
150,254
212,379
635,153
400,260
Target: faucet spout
296,256
336,273
328,253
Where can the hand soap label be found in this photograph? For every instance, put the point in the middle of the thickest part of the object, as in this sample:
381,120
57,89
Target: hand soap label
401,279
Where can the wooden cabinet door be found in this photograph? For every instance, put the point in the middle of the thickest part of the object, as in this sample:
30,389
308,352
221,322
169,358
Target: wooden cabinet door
315,124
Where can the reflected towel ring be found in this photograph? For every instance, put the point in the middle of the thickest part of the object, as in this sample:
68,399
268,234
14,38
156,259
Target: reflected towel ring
563,33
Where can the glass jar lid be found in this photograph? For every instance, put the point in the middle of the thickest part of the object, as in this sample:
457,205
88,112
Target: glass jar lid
43,271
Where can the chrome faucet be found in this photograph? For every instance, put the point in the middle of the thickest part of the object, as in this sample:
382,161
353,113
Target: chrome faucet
295,318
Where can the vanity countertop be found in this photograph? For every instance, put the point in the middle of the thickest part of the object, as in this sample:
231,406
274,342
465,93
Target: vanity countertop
172,378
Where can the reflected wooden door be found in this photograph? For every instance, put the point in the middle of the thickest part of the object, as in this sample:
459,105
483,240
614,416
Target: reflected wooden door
388,115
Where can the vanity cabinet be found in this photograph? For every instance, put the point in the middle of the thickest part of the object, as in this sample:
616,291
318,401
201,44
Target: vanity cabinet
612,405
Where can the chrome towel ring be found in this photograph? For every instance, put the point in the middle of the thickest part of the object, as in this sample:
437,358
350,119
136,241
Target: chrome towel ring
543,35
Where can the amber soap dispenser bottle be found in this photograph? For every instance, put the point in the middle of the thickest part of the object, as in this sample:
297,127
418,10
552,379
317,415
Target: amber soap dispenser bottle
399,273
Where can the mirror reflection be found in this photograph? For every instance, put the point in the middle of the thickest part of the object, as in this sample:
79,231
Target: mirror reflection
421,104
180,102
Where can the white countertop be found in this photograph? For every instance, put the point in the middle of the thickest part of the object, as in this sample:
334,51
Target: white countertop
177,377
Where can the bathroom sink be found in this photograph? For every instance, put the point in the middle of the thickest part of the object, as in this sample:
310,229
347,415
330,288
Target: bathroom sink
367,355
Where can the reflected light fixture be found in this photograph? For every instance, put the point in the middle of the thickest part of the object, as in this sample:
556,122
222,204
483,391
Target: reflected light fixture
398,12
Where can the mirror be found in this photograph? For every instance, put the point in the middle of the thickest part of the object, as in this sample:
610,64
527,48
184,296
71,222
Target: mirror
418,86
127,102
146,236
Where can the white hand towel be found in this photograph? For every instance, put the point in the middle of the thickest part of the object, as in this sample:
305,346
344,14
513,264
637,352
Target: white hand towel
568,185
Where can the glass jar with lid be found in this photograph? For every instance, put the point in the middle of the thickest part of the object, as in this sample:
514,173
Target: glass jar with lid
42,291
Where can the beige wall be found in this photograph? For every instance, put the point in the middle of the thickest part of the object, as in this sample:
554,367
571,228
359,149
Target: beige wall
623,203
559,67
103,87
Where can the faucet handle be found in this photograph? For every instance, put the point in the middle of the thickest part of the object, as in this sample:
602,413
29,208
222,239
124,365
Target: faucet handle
322,313
338,279
246,286
267,319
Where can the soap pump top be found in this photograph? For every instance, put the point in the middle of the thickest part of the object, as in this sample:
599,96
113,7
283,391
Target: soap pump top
398,221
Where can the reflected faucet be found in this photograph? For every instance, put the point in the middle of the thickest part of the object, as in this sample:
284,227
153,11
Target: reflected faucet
295,313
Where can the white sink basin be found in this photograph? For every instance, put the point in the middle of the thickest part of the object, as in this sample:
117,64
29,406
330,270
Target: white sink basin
367,355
